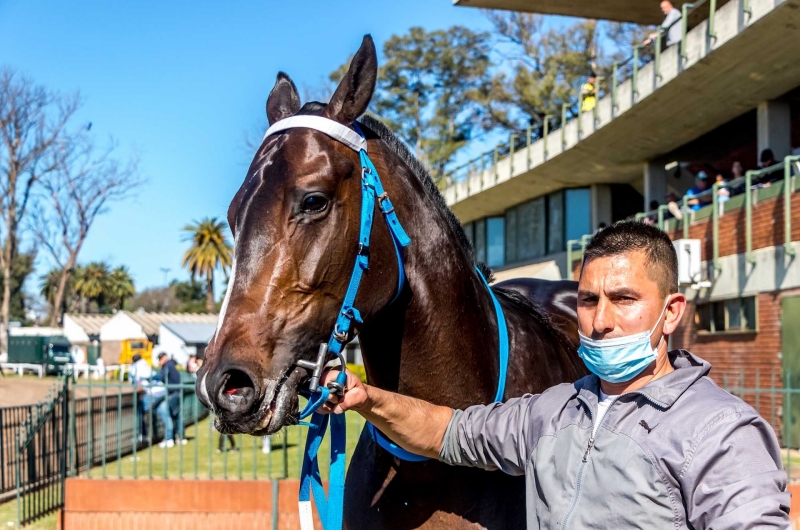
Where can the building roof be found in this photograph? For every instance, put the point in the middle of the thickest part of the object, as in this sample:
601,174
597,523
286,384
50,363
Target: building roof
34,332
150,322
90,323
192,332
636,11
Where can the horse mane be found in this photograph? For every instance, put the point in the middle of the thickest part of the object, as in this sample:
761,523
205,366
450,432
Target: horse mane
418,169
538,314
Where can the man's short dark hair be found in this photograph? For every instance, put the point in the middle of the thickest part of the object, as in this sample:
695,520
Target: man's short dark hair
767,155
629,236
162,355
136,358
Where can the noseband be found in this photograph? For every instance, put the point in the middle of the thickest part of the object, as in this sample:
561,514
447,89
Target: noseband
330,511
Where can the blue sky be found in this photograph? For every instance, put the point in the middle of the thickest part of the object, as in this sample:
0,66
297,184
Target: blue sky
181,83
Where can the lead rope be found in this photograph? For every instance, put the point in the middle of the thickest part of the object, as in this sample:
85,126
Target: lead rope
331,508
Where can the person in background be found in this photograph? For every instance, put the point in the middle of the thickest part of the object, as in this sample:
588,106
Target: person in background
700,198
723,192
168,411
767,159
653,211
673,208
231,441
149,393
589,93
191,365
671,25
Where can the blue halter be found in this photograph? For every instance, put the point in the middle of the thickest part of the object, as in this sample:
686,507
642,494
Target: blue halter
331,509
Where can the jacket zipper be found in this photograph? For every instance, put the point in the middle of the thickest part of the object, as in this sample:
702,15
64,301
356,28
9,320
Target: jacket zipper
582,468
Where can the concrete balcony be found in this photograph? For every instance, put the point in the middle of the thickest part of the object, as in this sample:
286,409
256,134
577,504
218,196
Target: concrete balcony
751,57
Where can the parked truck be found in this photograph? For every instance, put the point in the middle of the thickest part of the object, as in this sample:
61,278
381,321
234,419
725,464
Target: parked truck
44,346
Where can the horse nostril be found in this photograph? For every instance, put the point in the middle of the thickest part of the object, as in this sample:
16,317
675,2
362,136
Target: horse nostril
238,392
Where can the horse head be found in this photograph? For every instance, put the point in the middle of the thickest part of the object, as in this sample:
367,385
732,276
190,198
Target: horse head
295,222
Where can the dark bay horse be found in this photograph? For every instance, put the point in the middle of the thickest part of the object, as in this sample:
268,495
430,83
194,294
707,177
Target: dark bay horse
295,222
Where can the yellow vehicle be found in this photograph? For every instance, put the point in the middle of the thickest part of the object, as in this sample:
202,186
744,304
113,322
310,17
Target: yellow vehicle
131,347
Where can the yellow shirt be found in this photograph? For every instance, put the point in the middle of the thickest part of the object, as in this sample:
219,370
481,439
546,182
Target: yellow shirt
589,97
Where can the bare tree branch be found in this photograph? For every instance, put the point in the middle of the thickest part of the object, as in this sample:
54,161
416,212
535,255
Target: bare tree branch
86,179
32,121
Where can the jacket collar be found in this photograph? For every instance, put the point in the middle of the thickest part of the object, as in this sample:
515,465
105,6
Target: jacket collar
664,391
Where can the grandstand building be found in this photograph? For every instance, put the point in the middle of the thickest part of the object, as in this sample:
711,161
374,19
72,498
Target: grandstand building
728,91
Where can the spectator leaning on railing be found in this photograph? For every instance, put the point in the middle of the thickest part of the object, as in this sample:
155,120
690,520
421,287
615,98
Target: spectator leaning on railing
589,93
699,197
671,18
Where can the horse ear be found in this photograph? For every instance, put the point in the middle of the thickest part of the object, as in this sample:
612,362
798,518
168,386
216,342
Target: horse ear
283,101
352,95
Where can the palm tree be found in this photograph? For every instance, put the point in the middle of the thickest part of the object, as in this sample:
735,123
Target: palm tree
92,283
210,249
48,286
120,286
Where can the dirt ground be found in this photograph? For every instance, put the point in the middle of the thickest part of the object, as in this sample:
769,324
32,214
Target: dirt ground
15,390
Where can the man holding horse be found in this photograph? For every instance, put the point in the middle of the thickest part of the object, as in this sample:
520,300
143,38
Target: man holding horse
646,441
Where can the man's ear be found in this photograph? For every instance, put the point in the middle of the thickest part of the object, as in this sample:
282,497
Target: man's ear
283,100
353,94
675,310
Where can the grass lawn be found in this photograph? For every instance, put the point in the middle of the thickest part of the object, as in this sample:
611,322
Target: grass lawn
199,458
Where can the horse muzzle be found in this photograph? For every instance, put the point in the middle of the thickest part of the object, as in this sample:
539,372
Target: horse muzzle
243,403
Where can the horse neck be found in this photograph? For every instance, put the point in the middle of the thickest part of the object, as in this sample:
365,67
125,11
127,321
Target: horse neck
443,329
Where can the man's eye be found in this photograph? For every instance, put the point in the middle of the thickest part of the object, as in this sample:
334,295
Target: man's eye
314,203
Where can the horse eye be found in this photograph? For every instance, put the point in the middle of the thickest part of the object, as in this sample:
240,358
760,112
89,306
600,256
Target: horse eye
314,203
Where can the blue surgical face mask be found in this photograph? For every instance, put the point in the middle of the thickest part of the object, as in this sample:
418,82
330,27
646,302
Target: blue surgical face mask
620,359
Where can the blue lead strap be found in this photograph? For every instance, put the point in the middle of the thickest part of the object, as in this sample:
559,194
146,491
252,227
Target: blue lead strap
331,508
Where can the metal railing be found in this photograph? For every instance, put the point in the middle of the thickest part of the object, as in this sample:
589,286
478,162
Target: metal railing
41,461
776,396
490,158
742,193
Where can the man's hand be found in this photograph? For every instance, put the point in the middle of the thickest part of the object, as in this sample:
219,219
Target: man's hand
355,394
413,424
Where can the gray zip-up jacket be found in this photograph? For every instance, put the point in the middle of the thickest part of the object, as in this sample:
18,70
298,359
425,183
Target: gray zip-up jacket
678,453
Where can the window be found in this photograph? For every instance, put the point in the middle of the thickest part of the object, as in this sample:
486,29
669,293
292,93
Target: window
555,222
531,232
468,229
495,241
511,235
727,316
480,240
578,219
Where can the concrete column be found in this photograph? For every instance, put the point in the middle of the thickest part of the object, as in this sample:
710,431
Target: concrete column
655,183
601,204
774,128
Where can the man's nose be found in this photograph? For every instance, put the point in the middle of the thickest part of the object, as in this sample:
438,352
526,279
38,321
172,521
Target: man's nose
602,322
233,388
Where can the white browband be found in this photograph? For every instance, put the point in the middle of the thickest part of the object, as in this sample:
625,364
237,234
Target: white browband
331,128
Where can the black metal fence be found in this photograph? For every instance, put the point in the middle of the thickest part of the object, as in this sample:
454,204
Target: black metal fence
41,463
12,419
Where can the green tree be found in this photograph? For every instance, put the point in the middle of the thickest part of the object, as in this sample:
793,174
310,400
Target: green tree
427,89
92,285
48,287
544,65
210,250
120,286
21,268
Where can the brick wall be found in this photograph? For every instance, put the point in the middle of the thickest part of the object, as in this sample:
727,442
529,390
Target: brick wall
185,504
767,227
